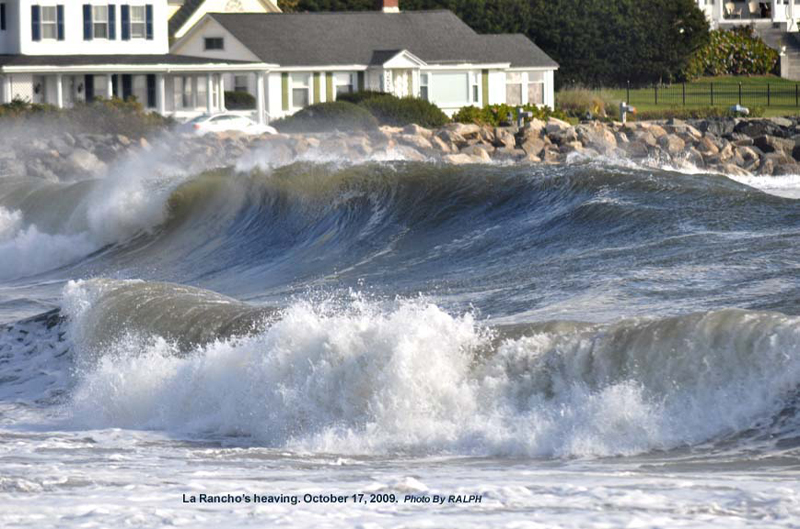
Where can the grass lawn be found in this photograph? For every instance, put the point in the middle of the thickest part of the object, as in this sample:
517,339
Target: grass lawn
776,96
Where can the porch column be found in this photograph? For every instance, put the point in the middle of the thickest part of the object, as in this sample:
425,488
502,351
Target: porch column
109,86
60,91
719,14
222,93
209,93
260,97
791,26
161,94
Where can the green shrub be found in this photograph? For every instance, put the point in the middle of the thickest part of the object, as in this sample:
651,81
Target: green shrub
102,116
495,115
738,51
398,112
324,117
239,101
691,113
363,95
576,101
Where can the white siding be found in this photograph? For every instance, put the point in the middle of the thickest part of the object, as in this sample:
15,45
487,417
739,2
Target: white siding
497,87
73,43
9,39
274,97
194,44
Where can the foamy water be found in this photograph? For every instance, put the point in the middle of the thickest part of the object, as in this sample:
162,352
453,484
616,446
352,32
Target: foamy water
594,345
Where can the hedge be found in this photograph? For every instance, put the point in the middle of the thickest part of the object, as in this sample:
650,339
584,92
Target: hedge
496,115
239,101
323,117
738,51
398,112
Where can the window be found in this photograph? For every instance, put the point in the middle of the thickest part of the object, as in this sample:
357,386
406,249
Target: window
137,22
449,87
49,30
202,92
300,90
2,16
474,86
513,88
423,86
100,22
343,82
215,43
240,83
536,88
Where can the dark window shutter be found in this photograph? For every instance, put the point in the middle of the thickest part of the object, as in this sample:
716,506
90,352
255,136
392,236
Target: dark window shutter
88,80
87,22
127,86
151,91
36,23
60,21
112,22
115,85
148,17
3,17
125,20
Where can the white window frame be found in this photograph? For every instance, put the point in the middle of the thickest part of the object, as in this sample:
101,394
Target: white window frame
49,25
521,83
475,88
424,79
528,82
138,27
450,103
293,86
351,83
98,21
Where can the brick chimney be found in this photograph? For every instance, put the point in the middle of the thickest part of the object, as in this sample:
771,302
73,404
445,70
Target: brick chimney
389,6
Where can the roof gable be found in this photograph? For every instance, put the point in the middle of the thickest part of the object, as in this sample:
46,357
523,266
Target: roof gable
192,9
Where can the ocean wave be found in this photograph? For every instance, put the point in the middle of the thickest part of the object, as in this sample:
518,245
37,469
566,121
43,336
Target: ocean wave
406,376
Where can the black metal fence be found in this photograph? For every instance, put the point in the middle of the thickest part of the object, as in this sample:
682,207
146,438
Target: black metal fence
716,94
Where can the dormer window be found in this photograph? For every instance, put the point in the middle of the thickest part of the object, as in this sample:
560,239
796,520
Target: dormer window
215,43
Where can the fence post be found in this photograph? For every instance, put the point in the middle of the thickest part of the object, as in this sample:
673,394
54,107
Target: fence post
655,91
684,93
796,96
712,92
769,95
628,93
740,94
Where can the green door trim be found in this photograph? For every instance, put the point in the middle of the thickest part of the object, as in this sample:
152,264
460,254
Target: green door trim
485,86
285,90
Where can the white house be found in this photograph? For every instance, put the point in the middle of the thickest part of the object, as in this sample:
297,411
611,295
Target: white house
428,54
781,13
61,53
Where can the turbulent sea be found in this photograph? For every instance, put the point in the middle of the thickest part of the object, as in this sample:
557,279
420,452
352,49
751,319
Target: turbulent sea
587,345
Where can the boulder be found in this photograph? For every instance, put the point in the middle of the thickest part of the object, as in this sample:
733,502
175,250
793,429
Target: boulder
440,145
556,125
416,130
671,143
458,158
504,138
761,127
504,154
706,145
479,151
773,144
417,141
82,161
467,130
533,146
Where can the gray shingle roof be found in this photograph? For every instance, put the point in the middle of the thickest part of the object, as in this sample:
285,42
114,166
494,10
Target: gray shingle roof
93,60
183,14
341,38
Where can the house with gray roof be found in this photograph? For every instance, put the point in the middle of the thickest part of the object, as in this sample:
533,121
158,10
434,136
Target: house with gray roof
427,54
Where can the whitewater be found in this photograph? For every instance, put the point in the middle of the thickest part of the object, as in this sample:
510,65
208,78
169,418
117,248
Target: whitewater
594,344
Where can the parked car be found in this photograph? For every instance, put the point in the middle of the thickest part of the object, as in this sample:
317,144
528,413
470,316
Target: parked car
226,122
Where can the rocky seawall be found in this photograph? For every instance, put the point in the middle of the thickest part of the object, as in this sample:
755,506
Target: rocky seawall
763,146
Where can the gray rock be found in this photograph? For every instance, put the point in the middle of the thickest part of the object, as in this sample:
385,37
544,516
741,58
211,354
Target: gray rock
533,146
83,161
671,143
774,144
